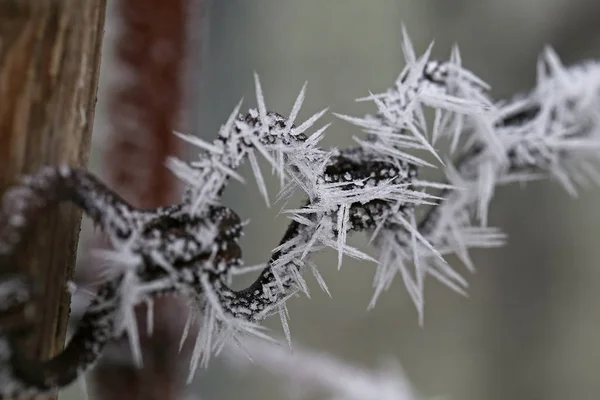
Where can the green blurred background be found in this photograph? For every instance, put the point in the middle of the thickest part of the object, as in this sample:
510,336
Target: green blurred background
530,327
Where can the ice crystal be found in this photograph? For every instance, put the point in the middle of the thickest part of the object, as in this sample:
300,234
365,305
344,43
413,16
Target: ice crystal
308,371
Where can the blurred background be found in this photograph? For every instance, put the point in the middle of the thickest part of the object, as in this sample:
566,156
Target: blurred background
530,327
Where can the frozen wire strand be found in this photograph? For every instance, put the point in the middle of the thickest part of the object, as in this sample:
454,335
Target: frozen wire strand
543,137
264,123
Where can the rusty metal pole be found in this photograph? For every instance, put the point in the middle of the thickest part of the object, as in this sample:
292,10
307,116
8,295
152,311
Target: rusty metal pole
153,48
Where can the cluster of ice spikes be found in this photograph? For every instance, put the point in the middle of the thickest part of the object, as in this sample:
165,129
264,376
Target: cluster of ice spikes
191,248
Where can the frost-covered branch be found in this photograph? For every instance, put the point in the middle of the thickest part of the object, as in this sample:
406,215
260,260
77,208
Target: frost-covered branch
191,248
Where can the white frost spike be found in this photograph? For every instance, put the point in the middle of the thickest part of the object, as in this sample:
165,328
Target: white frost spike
196,141
555,67
228,171
407,47
296,108
393,152
414,231
203,343
186,329
389,113
349,250
260,99
149,316
306,125
458,243
486,184
448,277
316,137
248,269
82,380
553,129
419,272
343,217
311,371
129,319
225,131
262,187
283,315
318,277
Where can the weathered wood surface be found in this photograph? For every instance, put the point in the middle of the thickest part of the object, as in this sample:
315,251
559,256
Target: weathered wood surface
49,63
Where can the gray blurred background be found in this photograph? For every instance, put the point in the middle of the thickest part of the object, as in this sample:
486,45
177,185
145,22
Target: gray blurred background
530,327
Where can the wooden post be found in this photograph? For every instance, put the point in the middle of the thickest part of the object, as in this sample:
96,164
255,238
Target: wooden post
49,63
